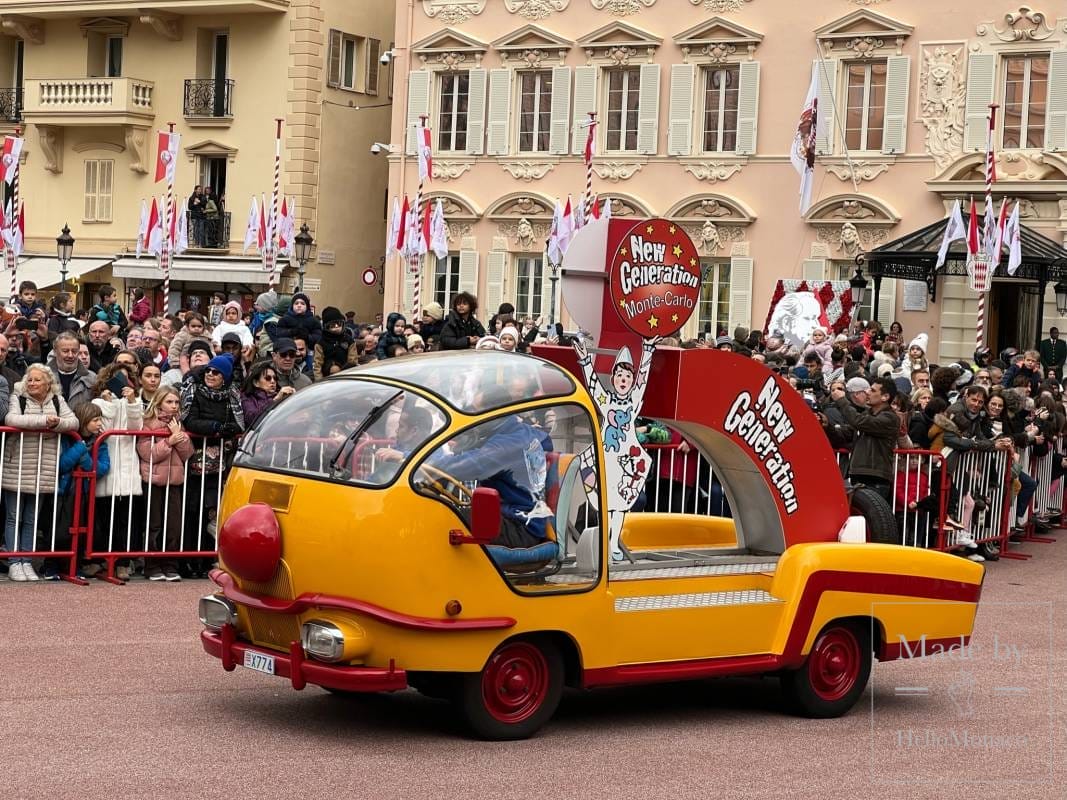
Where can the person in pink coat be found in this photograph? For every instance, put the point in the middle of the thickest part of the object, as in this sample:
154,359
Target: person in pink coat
163,460
820,345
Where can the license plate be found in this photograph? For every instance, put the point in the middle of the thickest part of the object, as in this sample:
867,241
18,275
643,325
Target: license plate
259,662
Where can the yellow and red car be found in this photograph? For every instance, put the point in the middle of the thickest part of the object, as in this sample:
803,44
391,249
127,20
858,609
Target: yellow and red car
352,559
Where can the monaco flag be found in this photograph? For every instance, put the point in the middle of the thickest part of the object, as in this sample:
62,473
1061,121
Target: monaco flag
12,152
954,231
142,228
252,227
555,255
566,227
425,147
394,228
286,227
154,230
1013,238
400,245
167,156
972,231
181,235
802,153
439,231
14,233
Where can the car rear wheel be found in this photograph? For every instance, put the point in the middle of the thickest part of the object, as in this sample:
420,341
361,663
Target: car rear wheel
881,523
833,675
517,691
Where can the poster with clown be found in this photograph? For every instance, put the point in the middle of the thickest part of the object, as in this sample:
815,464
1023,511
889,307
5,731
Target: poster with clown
653,286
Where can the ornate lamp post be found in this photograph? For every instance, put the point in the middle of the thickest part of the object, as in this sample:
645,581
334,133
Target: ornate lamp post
64,250
302,244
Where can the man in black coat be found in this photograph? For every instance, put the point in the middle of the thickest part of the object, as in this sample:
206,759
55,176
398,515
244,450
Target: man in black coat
877,428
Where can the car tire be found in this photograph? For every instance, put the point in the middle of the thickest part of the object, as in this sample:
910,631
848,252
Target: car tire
517,691
833,675
882,525
437,685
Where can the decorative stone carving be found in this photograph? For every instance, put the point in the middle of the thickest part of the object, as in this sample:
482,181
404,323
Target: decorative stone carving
449,60
451,11
713,171
524,207
1027,209
622,8
848,239
616,171
719,52
712,208
942,101
137,144
864,46
449,206
535,9
1024,25
450,170
868,2
525,234
456,231
51,140
712,238
721,6
169,26
1022,165
852,209
864,170
867,238
620,208
527,171
710,241
617,42
29,29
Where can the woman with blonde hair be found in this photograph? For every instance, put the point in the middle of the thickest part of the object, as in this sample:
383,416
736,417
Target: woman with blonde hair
31,460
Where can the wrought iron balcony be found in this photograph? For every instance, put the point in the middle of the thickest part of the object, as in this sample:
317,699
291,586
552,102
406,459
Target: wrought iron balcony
209,234
11,105
208,98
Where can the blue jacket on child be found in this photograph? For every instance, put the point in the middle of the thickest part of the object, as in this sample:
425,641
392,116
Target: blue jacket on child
77,454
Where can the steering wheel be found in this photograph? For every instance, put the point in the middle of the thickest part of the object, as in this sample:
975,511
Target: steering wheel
446,486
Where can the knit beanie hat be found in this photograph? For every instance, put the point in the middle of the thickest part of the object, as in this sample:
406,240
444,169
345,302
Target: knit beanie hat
922,341
510,330
331,314
224,364
199,344
233,304
488,343
267,301
724,340
434,311
413,340
305,298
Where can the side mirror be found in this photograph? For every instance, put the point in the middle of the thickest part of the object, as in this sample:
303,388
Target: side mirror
485,515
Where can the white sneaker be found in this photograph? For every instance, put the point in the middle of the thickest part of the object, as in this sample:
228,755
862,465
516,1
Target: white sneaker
966,540
976,557
28,573
16,573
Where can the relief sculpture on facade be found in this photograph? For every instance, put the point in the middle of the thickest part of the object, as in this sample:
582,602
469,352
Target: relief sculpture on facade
621,8
535,9
942,100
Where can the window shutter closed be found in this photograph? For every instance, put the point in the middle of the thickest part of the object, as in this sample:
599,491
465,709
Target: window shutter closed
981,76
887,302
476,112
374,53
90,189
895,123
747,108
648,110
680,115
561,109
103,193
499,111
813,269
468,271
494,279
333,75
418,104
1056,129
824,134
584,102
740,292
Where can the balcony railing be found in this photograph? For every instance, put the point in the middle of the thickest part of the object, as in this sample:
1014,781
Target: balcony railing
11,105
208,97
209,234
72,98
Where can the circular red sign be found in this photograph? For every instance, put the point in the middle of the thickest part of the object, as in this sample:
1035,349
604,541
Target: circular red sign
654,278
370,276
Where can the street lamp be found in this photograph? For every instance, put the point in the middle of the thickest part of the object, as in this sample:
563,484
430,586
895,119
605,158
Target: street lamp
64,250
1061,297
857,285
302,243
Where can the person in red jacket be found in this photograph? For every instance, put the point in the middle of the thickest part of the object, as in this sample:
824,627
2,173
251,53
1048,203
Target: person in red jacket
142,309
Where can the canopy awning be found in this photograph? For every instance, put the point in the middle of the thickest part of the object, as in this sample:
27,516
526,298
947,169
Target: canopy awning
44,270
913,257
217,270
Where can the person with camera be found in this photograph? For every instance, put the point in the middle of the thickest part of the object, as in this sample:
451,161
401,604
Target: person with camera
876,426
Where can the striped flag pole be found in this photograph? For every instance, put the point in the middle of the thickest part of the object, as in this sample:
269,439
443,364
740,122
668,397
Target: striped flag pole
589,141
416,257
272,247
990,177
10,258
165,244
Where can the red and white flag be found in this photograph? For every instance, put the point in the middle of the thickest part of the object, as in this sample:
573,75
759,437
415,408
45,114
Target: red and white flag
167,156
14,233
590,141
566,228
181,236
555,254
252,226
142,228
955,230
1002,220
425,148
154,239
439,231
394,229
402,230
262,235
414,239
1013,238
802,153
286,227
972,231
10,160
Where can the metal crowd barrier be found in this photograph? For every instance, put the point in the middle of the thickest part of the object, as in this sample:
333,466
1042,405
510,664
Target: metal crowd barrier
696,492
920,498
52,537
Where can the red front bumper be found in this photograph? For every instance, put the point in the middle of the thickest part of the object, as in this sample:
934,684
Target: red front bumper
301,671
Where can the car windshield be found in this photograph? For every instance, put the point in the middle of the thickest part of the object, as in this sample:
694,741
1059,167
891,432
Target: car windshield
347,430
477,381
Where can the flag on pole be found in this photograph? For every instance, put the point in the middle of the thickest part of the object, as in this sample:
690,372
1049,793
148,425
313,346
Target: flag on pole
181,238
590,142
167,156
261,236
1013,237
10,160
252,226
154,239
1002,220
394,228
802,153
989,233
402,230
555,254
954,231
972,230
286,227
439,231
607,208
14,233
566,227
425,154
142,227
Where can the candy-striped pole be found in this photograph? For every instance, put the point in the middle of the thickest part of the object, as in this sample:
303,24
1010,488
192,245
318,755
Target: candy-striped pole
272,247
12,261
415,249
990,173
587,202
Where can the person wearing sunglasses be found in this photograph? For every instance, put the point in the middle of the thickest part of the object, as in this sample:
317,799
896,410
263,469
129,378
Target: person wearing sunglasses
284,361
261,392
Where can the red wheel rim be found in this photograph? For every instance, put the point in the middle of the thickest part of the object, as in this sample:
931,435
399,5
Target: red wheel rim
834,664
515,682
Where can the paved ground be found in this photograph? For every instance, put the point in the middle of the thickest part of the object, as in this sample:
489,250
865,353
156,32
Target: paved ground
106,693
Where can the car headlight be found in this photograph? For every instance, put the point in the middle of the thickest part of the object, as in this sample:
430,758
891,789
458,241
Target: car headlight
322,640
216,611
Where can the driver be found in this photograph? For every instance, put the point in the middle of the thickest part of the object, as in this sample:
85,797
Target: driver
507,455
412,428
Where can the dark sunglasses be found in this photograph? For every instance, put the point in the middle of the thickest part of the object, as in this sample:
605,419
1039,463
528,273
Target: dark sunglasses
212,371
271,378
288,354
